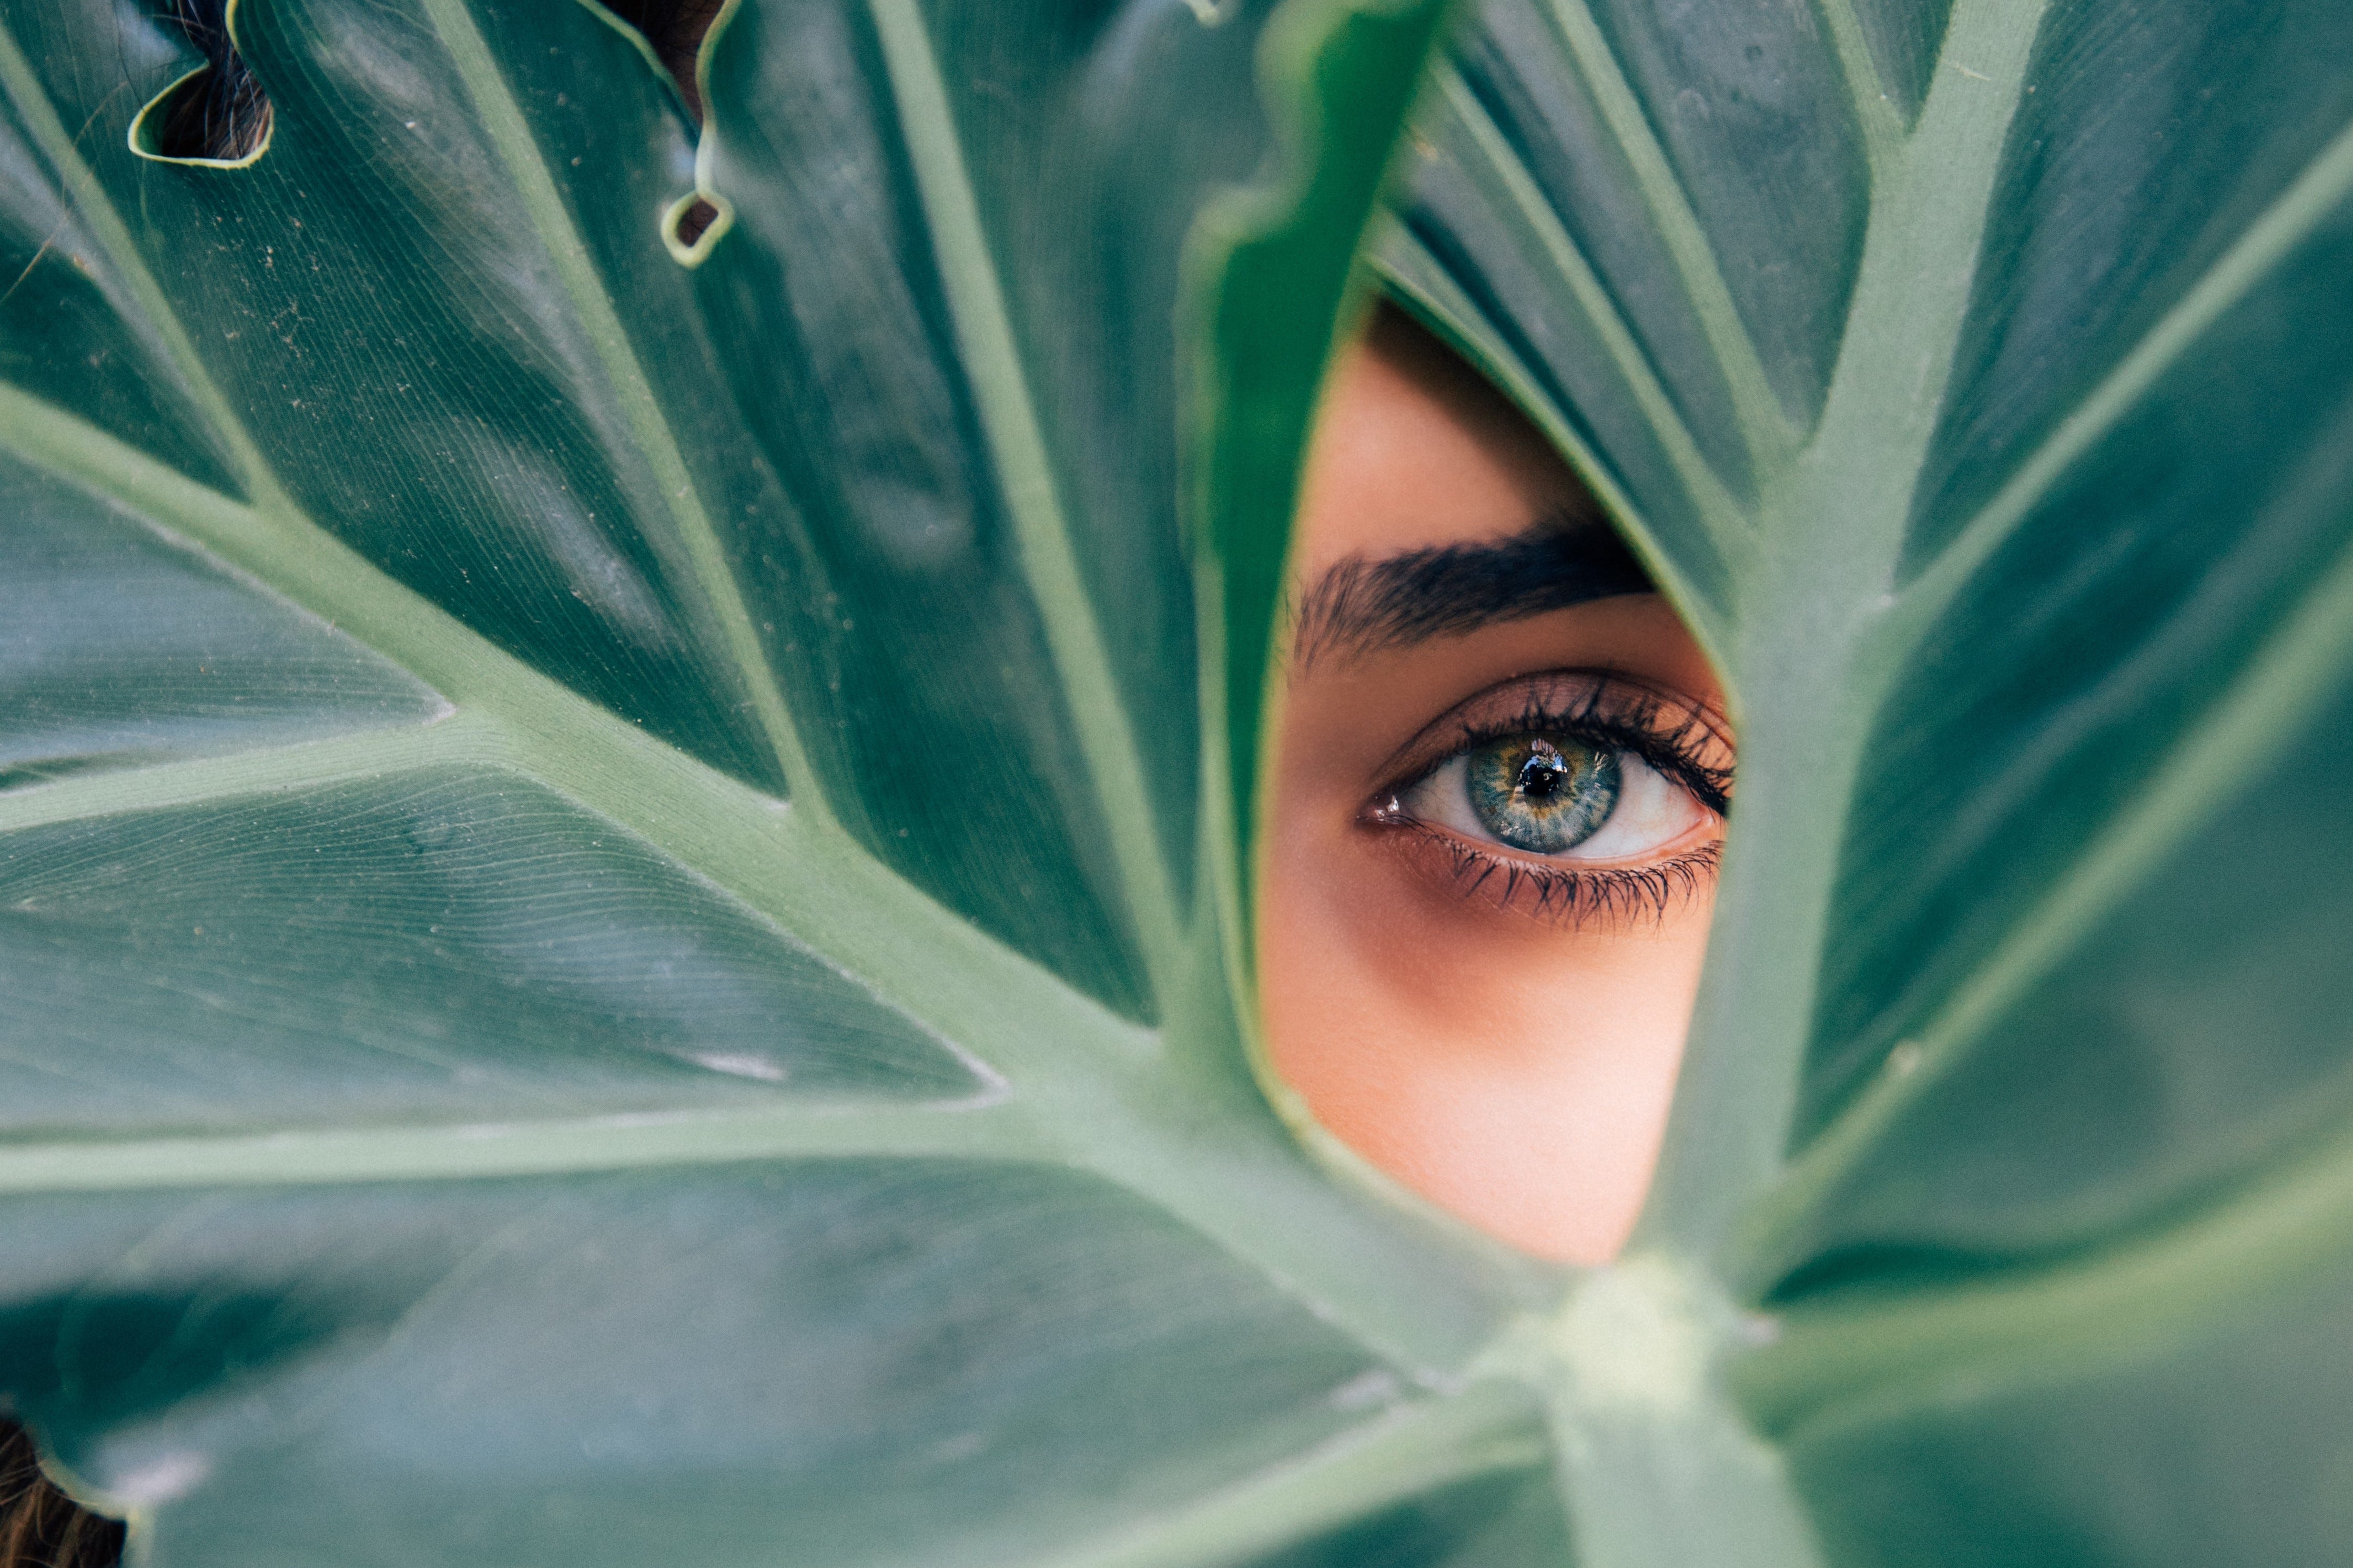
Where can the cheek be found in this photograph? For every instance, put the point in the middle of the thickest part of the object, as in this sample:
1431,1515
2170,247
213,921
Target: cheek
1514,1071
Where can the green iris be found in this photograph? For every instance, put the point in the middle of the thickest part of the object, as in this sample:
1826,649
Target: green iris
1542,793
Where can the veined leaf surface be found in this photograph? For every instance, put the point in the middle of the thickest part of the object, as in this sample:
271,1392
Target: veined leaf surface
1979,373
624,853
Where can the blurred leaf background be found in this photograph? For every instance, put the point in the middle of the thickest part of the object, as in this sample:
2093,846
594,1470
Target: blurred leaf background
620,866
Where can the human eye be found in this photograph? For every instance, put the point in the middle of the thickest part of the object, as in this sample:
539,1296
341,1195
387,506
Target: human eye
1569,795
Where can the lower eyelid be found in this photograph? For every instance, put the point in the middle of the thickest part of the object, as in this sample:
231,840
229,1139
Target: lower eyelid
1569,893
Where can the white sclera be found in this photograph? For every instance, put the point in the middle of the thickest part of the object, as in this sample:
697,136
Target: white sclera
1652,811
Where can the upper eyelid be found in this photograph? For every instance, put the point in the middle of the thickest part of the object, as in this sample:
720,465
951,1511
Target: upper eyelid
1462,727
1456,728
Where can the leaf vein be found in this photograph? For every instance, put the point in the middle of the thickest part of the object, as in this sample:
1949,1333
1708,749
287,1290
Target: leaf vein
2319,189
1764,427
510,135
2296,670
1726,521
1024,470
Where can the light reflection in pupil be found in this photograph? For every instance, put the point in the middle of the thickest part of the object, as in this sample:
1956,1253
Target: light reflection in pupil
1542,773
1542,793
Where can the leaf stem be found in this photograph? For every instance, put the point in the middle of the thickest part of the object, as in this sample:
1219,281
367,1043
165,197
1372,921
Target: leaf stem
2299,667
1829,548
1658,1469
1875,111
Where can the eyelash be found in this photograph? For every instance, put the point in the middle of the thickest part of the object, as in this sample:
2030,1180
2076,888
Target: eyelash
1611,714
1573,896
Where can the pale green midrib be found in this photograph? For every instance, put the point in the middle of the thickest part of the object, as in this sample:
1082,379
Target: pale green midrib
1657,1468
447,1150
1405,1453
1024,470
503,120
2266,243
297,558
522,1147
1726,520
2292,216
97,210
196,781
2133,1302
1875,111
1803,681
2299,666
1757,410
802,875
1095,1102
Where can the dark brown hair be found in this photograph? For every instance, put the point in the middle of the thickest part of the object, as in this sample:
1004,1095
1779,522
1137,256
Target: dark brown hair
40,1527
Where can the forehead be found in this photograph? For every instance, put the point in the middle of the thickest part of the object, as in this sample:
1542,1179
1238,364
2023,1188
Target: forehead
1413,450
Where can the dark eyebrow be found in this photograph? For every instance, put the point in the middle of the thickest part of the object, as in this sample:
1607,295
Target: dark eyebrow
1359,606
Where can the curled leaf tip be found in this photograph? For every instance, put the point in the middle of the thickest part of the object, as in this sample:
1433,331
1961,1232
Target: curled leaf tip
695,223
215,115
187,124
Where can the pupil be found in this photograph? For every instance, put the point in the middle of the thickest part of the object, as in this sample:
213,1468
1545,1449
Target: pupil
1543,773
1539,795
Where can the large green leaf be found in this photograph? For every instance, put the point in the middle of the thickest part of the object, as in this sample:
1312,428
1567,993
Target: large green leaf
1985,379
613,919
619,857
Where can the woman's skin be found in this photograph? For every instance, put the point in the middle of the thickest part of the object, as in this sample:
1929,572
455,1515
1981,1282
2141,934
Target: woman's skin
1499,1029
